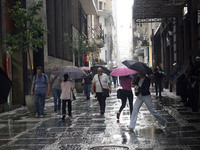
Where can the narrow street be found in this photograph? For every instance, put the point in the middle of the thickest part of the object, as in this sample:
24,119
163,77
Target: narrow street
87,129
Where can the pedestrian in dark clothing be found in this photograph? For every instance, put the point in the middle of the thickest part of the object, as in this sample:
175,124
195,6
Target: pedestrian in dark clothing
126,83
158,77
87,81
182,88
193,80
142,92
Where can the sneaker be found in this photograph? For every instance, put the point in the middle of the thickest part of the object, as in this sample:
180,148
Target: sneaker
102,113
163,126
131,129
36,115
118,115
41,116
63,117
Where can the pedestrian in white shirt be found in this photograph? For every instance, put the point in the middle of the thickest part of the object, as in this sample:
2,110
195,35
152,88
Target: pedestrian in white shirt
101,80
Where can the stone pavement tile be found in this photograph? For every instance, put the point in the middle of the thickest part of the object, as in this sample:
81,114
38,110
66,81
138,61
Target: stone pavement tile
87,128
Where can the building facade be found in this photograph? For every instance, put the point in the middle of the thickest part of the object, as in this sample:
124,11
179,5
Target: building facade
175,29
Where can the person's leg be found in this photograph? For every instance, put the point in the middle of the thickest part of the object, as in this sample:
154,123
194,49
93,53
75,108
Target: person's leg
103,104
85,89
69,108
54,92
130,99
136,108
36,100
89,90
59,100
160,88
123,100
42,103
148,102
156,88
64,107
101,100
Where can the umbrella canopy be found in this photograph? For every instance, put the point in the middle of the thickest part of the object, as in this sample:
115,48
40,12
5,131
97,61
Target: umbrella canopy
137,66
72,71
178,70
122,71
85,68
94,69
5,86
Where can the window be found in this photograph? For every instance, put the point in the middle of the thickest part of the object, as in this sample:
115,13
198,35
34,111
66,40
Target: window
100,5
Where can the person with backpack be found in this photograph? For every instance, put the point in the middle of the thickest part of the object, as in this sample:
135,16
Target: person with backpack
40,87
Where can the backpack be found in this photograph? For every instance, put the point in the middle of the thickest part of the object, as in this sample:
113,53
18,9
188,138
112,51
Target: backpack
43,75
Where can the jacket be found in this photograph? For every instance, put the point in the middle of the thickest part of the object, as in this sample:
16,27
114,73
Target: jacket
144,89
66,89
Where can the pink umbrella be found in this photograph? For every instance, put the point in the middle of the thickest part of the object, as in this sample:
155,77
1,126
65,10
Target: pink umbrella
85,68
122,71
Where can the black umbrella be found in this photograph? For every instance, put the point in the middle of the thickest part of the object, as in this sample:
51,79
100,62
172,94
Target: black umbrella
105,70
5,86
137,66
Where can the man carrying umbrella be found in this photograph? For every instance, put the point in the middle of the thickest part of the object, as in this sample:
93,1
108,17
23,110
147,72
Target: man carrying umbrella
101,81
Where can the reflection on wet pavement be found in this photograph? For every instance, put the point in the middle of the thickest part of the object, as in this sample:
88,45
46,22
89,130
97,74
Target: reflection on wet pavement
88,130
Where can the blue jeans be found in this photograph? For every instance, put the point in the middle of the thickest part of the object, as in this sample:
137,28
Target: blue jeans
148,102
57,100
39,99
87,89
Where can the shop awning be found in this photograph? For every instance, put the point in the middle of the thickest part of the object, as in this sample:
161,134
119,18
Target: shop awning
156,10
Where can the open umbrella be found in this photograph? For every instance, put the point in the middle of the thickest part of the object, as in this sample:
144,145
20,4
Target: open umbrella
137,66
72,71
5,86
122,71
85,68
94,69
177,70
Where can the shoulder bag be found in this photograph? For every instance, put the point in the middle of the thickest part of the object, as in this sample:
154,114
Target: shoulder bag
105,92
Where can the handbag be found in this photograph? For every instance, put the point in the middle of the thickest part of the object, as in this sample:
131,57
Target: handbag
72,96
119,93
105,92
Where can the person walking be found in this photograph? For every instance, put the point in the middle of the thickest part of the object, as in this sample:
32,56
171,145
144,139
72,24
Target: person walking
56,89
142,92
158,77
126,83
114,81
101,80
87,81
40,86
67,87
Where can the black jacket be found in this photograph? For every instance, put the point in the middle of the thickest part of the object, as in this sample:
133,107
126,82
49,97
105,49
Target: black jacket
144,89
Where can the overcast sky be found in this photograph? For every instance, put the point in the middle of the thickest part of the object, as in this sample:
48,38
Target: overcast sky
124,28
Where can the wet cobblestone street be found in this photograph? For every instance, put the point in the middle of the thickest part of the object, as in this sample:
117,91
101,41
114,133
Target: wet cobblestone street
88,130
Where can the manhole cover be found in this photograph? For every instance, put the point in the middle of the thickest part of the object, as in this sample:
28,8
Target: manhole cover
109,148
